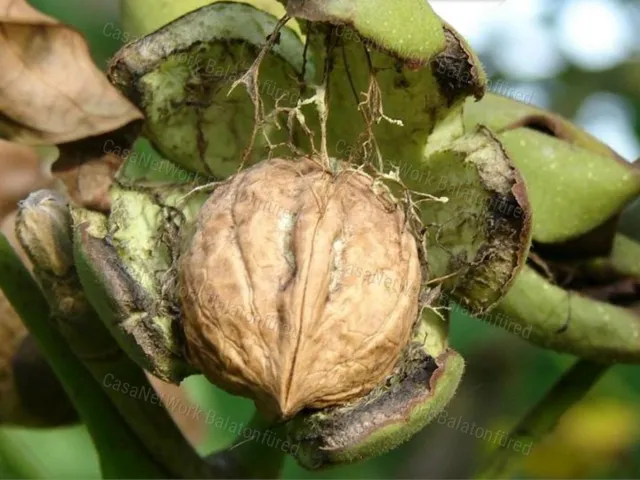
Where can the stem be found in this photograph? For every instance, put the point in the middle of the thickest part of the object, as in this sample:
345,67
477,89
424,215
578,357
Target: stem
543,417
252,457
44,229
121,454
568,322
128,388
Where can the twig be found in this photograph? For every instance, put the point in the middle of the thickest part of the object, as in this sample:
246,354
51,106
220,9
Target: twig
543,417
252,457
91,342
120,452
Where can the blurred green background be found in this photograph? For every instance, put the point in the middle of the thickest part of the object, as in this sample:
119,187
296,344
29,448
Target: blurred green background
580,58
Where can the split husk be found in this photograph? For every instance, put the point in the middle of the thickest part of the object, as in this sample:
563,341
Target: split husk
579,292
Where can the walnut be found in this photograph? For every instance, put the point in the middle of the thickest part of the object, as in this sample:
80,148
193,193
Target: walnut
299,287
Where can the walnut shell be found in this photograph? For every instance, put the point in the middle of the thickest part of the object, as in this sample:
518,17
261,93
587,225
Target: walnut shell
299,288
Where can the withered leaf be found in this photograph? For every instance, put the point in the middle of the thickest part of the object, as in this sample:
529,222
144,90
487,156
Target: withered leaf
87,167
51,92
22,170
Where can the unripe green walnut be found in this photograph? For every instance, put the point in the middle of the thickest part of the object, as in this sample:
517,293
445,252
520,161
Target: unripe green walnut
299,287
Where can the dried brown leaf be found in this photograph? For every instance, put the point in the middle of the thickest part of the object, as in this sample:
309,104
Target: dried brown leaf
50,90
88,167
22,170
